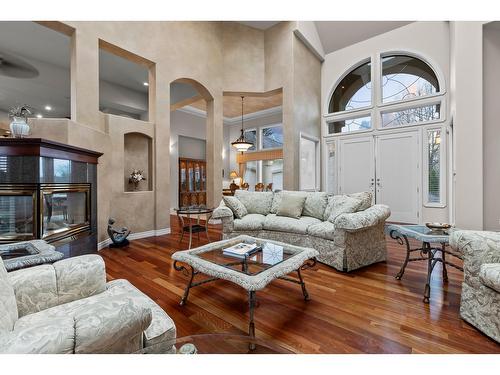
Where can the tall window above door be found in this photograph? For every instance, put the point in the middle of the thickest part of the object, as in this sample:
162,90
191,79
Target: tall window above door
392,90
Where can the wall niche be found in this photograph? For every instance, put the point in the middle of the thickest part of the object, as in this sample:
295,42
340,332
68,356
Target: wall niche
137,155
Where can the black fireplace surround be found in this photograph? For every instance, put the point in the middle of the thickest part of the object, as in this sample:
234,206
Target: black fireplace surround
48,191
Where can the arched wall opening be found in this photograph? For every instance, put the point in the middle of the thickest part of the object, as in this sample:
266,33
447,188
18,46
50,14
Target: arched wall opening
191,144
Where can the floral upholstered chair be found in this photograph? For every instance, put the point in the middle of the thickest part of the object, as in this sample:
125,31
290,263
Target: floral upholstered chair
480,304
67,307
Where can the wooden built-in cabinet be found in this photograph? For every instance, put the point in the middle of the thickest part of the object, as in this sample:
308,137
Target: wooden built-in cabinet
192,182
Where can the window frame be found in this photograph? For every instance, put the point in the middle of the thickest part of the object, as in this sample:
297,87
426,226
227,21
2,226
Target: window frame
257,145
261,138
377,107
442,167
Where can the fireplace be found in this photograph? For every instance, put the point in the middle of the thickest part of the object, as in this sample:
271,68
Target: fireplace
48,191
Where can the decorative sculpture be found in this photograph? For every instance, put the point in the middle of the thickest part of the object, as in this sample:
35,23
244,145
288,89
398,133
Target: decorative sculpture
119,237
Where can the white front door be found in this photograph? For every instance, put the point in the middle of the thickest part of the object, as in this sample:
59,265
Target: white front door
397,175
357,167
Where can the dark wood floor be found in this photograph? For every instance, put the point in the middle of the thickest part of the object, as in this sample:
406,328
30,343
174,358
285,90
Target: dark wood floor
365,311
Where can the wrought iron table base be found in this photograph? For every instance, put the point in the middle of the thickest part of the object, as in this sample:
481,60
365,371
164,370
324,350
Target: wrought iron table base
429,254
252,298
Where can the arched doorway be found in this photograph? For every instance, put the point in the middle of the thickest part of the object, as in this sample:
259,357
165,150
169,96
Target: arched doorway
191,144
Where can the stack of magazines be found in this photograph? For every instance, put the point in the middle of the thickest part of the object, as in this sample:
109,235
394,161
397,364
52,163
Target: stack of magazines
241,250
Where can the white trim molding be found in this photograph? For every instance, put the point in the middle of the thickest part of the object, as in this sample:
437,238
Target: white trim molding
136,236
233,120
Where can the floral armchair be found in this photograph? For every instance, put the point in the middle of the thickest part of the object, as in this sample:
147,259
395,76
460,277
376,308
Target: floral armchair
480,304
67,307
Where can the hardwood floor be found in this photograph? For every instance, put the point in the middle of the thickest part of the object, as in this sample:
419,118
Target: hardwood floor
365,311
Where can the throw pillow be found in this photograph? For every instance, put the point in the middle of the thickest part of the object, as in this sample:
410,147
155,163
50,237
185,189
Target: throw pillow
255,202
341,204
366,197
291,206
239,210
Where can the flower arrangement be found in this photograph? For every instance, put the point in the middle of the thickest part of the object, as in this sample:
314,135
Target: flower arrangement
19,121
135,177
22,111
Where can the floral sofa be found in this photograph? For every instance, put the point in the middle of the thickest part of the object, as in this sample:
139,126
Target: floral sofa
480,304
351,239
67,307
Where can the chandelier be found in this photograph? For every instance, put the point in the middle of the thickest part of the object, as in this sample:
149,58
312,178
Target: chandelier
241,144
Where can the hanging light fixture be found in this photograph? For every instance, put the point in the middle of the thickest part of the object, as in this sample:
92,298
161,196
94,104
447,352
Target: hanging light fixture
241,144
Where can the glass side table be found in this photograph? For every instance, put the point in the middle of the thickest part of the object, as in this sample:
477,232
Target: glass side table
188,226
428,252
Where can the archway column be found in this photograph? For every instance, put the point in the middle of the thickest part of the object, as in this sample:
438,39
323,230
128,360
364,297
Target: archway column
214,150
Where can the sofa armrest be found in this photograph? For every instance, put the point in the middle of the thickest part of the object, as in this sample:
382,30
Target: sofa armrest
80,277
114,325
222,212
476,248
363,219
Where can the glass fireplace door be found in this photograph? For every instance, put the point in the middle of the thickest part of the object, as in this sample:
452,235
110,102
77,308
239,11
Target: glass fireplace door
17,211
65,210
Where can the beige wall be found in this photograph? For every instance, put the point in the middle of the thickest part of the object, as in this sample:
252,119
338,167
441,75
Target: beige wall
467,113
491,129
292,66
215,55
307,98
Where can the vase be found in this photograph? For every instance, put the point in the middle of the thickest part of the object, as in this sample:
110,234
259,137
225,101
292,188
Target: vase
19,127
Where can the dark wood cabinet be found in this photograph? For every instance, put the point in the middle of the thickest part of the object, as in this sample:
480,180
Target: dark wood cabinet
192,182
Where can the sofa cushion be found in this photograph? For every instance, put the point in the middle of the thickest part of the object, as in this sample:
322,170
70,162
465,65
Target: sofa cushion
489,274
287,224
324,230
291,206
45,336
341,204
239,210
255,202
315,204
8,304
35,288
80,277
366,197
249,222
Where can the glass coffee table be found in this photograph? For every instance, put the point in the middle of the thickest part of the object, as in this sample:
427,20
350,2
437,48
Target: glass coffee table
275,260
216,343
428,252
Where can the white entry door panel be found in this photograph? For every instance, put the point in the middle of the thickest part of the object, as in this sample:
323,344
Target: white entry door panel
356,161
397,175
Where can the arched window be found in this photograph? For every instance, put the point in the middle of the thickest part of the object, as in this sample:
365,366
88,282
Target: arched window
409,93
354,91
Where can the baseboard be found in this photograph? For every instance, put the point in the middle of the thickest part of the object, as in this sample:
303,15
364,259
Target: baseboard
136,236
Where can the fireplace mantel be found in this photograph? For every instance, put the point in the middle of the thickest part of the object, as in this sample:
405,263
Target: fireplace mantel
46,148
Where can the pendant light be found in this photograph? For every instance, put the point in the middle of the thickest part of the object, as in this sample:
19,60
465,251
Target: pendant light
241,144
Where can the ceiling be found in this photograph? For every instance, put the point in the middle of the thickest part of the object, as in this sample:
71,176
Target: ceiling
251,104
335,35
261,25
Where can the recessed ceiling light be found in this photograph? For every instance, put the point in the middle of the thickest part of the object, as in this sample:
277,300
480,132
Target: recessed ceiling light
145,83
48,108
39,116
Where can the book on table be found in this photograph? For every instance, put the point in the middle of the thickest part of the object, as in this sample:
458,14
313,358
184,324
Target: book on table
241,250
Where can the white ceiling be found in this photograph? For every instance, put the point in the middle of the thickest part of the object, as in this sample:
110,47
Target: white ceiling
262,25
335,35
